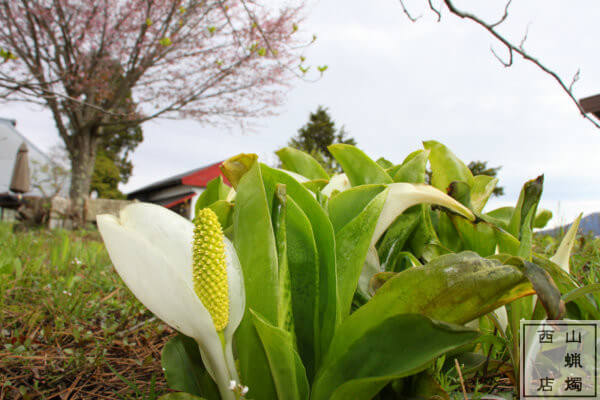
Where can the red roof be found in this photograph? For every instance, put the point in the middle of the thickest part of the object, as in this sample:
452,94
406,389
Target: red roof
201,177
198,177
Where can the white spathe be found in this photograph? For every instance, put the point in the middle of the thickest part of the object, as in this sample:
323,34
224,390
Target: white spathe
151,248
563,253
402,196
338,182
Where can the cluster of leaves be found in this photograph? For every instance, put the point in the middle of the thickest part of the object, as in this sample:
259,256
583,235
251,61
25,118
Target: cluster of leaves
359,285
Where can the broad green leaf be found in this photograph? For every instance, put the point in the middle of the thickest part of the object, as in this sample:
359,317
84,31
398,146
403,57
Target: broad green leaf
224,211
304,273
580,292
542,218
545,287
383,163
425,386
393,241
563,254
507,243
501,216
256,248
352,244
184,369
346,206
446,231
315,185
412,170
460,287
483,187
526,238
359,168
235,167
479,237
371,349
328,314
215,190
529,199
286,367
424,234
301,163
461,192
278,215
581,308
446,167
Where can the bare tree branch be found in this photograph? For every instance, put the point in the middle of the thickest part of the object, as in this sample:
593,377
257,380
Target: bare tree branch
407,13
513,48
435,10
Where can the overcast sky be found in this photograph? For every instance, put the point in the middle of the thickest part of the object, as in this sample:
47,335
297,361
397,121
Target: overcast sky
393,83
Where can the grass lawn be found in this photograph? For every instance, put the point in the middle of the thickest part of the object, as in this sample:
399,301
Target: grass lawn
69,328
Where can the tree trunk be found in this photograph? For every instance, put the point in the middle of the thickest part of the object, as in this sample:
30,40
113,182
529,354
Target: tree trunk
82,152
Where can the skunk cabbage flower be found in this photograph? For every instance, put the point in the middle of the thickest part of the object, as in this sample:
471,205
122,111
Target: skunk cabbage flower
338,183
187,274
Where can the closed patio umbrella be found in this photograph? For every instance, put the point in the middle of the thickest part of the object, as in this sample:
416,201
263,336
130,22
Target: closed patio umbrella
21,181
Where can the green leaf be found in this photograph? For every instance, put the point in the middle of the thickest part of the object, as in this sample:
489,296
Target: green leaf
256,248
359,168
580,292
347,205
501,216
526,236
180,396
235,167
224,211
316,185
302,163
544,286
370,349
352,245
390,249
528,199
479,237
286,367
542,218
580,308
460,191
328,314
278,215
483,187
184,369
215,190
446,167
412,169
303,262
446,231
383,163
460,287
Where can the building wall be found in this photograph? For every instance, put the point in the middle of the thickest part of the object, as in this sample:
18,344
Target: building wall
10,140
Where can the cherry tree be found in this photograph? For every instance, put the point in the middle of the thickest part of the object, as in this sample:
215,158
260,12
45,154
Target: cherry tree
98,63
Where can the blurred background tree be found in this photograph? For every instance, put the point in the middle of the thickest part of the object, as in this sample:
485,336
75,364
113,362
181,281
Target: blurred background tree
318,133
481,168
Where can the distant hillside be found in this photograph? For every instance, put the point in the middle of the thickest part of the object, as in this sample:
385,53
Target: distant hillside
589,223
